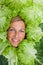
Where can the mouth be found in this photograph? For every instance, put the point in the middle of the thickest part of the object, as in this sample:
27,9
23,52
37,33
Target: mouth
16,41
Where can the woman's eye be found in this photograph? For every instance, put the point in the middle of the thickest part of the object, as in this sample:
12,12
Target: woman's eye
21,30
11,30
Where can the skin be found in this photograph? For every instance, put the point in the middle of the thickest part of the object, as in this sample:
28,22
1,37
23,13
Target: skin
16,32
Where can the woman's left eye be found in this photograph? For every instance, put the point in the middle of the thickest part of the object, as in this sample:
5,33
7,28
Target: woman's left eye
21,30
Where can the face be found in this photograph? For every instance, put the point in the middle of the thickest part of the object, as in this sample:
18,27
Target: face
16,33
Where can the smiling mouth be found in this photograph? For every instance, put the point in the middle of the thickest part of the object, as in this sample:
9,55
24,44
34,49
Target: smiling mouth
15,40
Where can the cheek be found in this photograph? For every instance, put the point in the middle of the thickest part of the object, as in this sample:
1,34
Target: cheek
22,36
10,35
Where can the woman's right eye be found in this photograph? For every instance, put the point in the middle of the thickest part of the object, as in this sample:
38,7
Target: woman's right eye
11,30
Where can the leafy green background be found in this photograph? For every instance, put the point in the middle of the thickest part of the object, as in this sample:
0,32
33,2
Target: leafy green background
31,11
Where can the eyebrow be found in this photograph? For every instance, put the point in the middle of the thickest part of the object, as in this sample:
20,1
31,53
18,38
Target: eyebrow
9,28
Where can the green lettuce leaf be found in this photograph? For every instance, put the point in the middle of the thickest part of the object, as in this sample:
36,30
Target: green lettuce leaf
26,53
39,48
10,53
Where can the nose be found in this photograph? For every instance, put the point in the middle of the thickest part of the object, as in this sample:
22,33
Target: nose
16,34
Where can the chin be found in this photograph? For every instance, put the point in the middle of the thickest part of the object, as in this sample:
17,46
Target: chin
14,44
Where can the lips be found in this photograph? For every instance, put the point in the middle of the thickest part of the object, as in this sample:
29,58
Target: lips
15,40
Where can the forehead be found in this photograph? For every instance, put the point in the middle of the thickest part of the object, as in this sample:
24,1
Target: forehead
17,24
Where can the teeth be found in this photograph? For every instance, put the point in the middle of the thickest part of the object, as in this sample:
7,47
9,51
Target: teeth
15,40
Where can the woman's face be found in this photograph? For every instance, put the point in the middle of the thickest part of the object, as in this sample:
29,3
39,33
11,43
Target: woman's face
16,33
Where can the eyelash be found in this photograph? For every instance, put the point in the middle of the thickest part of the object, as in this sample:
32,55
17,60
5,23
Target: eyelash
11,30
21,31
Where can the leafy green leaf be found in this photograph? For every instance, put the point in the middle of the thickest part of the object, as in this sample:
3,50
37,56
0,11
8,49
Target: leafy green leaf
3,60
10,53
39,48
26,53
